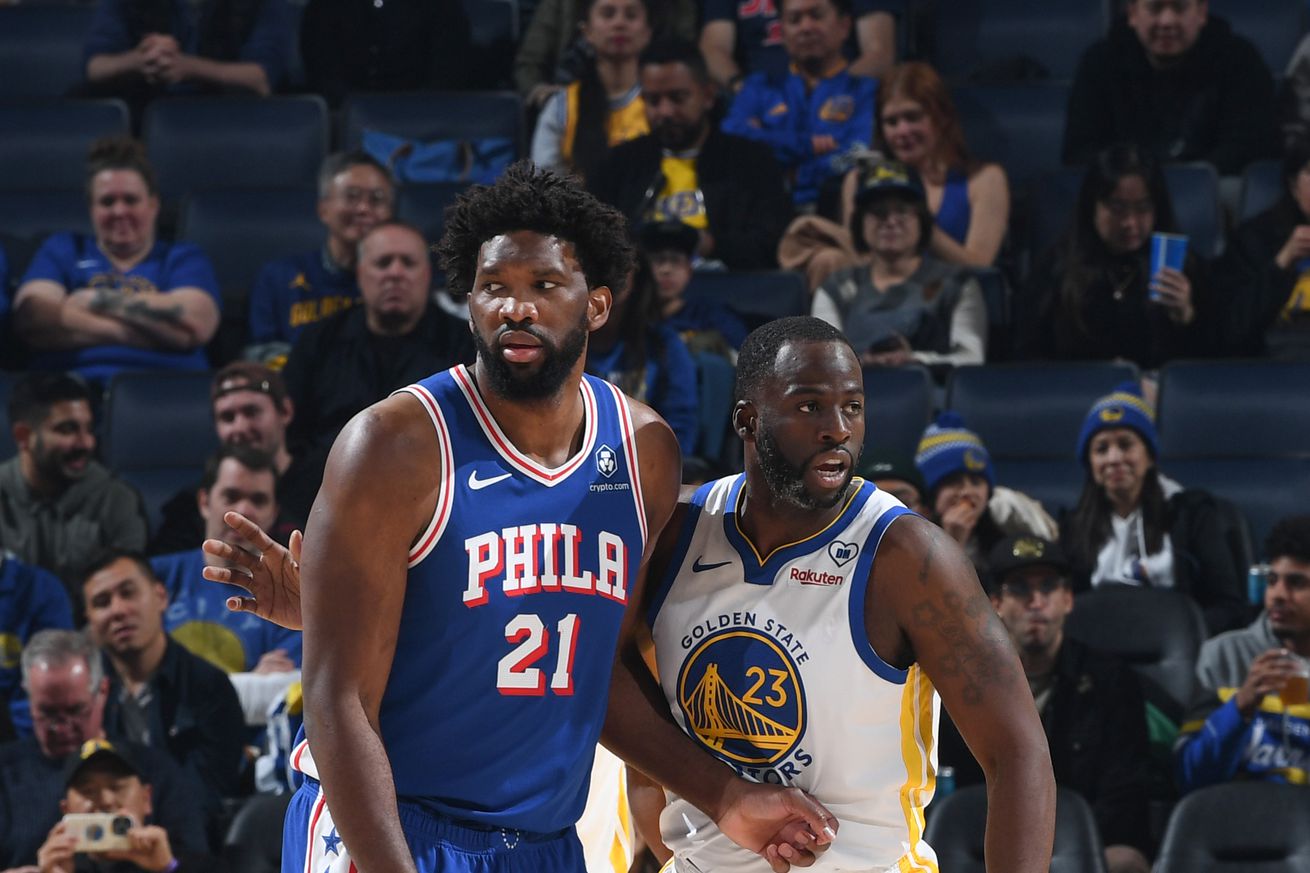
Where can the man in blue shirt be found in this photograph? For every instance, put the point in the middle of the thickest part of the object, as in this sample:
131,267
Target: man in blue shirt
816,115
355,193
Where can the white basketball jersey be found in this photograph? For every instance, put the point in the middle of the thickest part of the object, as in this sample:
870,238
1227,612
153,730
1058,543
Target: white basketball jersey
766,663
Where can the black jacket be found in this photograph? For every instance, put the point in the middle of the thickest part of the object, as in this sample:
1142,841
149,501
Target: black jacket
1216,104
1256,286
745,202
1095,724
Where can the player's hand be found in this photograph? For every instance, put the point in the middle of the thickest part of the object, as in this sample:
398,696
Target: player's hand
271,572
785,826
274,661
150,849
1268,674
56,853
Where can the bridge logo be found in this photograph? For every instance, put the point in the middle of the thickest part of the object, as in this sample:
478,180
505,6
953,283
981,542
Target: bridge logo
741,697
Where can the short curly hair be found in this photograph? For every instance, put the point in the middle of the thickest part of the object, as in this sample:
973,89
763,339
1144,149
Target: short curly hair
527,198
758,357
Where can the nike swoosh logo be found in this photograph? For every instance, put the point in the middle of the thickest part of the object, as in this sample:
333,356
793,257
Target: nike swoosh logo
476,484
698,567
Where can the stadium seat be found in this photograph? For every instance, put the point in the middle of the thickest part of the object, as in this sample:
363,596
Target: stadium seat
897,406
1274,26
1156,632
1014,39
493,22
715,377
41,49
1051,204
1194,190
434,116
43,146
158,432
1056,483
1239,827
254,839
1019,125
756,297
1234,409
28,217
1262,186
957,823
235,142
1264,489
424,205
7,447
1033,410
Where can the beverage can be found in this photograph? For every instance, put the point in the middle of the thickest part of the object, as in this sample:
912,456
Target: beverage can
1256,580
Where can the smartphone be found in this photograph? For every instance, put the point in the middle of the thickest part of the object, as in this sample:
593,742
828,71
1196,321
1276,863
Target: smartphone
100,831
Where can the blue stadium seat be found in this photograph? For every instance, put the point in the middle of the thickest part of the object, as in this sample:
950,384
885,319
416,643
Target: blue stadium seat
1194,190
28,217
1031,411
235,142
43,146
715,377
1239,827
1019,125
41,49
897,405
7,447
1056,483
1275,26
493,22
424,205
1262,186
1264,489
1235,409
756,297
158,432
433,116
1032,38
1052,202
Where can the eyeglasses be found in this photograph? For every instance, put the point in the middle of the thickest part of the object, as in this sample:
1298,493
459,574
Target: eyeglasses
1128,208
1026,589
61,715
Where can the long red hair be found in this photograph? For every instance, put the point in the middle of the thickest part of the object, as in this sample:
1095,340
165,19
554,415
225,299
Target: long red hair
918,81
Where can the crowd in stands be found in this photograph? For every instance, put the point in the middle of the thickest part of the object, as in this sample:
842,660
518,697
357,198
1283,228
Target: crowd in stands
809,138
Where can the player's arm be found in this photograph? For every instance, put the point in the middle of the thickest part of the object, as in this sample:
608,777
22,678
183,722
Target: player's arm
925,602
379,490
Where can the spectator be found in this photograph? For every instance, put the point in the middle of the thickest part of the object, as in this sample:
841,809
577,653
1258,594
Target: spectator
251,408
646,358
385,47
905,305
740,39
4,296
1135,526
552,51
897,475
1241,727
1265,270
703,324
241,479
818,114
122,300
603,107
962,496
161,695
138,49
1092,296
31,600
726,187
64,678
1091,704
1177,83
101,777
58,506
355,193
357,357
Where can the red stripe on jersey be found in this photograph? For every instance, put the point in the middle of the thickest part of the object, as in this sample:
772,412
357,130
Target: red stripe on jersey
319,805
630,451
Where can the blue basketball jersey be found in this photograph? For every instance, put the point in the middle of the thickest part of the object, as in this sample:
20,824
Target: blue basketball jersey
514,599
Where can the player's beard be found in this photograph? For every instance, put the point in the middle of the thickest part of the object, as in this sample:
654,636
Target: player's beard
787,481
547,379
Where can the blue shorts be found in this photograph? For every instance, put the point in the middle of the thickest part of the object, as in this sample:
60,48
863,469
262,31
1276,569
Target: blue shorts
310,843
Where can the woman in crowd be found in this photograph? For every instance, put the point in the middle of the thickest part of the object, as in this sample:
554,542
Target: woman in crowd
1135,526
962,497
603,108
905,305
1092,296
120,299
1266,269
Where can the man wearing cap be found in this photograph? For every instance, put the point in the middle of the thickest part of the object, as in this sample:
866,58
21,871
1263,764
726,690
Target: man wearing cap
703,324
896,474
64,677
727,188
1091,705
101,777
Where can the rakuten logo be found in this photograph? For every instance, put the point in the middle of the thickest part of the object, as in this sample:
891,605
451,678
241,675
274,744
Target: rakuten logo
813,577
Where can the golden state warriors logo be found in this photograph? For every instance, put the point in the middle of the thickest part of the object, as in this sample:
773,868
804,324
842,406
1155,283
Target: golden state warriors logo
1112,413
741,696
974,462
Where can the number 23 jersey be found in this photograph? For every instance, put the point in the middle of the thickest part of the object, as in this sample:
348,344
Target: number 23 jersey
766,664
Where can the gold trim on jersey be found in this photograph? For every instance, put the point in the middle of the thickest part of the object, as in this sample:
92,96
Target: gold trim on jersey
856,481
917,742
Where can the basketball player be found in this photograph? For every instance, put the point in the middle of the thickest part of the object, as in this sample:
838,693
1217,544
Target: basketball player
804,623
473,552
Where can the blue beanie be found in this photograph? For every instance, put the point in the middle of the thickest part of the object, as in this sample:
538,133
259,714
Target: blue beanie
1124,407
948,447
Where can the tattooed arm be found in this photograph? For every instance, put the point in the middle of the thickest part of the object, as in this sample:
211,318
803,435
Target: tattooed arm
925,605
179,319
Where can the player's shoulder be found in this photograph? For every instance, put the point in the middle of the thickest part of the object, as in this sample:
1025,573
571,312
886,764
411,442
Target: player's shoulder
390,438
